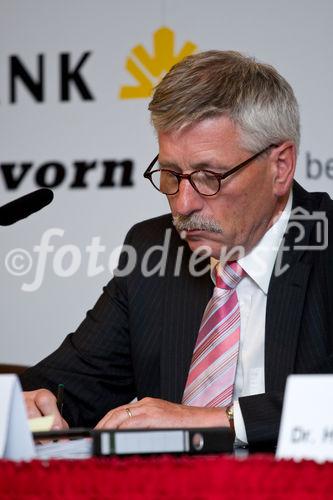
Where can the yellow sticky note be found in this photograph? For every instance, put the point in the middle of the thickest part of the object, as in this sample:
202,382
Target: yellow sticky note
41,423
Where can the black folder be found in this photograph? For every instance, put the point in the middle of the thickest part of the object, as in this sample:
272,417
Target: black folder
108,442
136,441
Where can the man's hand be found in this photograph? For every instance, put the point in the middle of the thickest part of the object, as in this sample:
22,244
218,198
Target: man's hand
41,403
151,413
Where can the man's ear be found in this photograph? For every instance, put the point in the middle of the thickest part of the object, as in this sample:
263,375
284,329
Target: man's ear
284,158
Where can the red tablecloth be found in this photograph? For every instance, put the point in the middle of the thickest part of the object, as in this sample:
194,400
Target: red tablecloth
166,477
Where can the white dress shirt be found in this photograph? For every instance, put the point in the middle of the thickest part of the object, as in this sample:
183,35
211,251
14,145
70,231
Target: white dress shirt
252,297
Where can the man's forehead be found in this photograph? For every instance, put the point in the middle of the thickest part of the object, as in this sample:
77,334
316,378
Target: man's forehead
207,141
220,124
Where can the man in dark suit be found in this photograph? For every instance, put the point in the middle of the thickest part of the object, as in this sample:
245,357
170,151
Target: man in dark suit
228,132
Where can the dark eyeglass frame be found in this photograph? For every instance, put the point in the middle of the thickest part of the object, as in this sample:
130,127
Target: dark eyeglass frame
220,177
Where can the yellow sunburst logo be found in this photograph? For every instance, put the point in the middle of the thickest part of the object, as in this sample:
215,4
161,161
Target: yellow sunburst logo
148,69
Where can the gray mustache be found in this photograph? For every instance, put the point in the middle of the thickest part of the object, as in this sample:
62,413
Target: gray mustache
190,222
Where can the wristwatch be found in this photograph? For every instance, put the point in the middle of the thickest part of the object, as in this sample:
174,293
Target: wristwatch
230,415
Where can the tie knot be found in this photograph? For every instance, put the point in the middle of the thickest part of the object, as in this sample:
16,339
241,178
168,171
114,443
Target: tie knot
229,276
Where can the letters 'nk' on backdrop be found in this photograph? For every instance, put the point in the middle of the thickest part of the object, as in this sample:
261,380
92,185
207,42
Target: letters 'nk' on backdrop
75,81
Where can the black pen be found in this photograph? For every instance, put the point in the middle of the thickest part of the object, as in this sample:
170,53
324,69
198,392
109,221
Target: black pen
60,397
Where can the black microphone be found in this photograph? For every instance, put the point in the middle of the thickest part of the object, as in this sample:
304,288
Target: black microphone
23,207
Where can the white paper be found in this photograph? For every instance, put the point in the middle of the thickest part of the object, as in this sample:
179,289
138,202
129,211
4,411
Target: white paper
76,448
15,437
306,430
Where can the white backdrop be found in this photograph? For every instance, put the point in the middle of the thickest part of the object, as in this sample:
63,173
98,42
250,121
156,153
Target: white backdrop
295,37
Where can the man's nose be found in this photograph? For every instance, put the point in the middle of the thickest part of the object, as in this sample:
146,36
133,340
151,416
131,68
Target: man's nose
187,200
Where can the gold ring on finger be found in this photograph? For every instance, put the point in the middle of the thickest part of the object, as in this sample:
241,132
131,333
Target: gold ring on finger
129,413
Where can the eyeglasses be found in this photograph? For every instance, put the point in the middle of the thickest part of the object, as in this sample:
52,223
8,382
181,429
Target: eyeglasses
205,182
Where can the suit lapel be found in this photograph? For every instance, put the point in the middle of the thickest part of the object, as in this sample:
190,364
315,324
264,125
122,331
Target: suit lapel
186,297
283,318
285,300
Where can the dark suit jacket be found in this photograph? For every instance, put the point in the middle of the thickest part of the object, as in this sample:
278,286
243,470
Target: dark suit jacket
139,338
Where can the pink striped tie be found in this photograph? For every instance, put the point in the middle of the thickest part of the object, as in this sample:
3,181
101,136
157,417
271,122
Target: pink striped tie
213,367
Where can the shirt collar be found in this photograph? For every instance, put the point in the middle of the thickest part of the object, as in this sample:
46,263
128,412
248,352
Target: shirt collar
259,262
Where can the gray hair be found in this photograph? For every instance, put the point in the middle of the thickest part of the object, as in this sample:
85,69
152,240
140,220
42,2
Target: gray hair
215,83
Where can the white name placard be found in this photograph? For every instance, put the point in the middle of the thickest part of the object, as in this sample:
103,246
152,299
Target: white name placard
306,430
15,437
